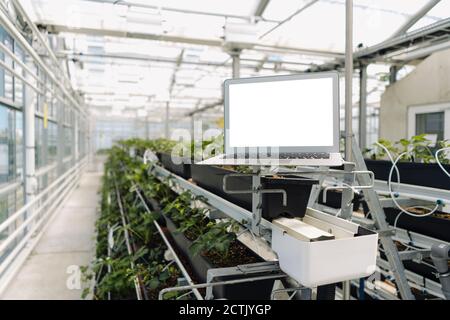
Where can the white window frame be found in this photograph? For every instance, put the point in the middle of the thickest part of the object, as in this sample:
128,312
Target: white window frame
429,108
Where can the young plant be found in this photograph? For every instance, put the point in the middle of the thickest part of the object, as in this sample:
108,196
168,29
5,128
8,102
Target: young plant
217,239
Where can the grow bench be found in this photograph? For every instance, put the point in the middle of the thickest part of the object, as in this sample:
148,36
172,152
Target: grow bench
230,283
353,236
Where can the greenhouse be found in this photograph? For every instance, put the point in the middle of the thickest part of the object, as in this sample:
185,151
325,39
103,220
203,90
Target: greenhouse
224,150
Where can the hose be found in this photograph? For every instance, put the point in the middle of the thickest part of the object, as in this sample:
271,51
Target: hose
439,162
391,192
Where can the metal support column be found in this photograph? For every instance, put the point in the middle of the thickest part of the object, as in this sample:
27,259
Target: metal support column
147,129
61,110
348,77
236,65
76,140
30,181
256,200
393,74
382,227
347,193
166,123
362,106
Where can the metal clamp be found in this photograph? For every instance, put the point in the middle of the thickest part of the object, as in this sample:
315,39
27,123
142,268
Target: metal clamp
255,190
353,188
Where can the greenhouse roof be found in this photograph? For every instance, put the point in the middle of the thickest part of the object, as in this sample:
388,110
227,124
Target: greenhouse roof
132,57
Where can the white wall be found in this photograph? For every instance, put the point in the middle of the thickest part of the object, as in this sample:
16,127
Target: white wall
428,84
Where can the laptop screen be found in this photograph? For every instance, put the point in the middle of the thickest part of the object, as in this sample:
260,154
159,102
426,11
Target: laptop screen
286,113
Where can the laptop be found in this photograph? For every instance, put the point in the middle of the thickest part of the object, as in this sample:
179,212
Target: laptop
281,120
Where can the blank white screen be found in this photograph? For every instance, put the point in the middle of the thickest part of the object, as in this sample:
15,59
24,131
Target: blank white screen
286,113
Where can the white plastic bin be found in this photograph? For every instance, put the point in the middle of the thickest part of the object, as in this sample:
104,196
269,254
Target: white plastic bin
351,255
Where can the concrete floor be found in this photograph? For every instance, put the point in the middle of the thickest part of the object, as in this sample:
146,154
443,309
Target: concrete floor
52,270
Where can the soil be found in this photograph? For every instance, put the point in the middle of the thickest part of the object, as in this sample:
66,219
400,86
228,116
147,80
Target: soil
237,254
442,215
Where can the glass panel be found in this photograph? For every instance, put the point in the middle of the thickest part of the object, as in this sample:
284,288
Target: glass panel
8,41
3,214
18,84
40,143
2,71
52,141
19,143
68,141
6,145
430,123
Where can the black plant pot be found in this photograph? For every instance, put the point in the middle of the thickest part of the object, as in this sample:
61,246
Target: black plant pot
297,189
334,200
431,226
258,290
422,174
180,166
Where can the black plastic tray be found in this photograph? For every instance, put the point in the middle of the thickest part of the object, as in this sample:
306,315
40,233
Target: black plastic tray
422,174
432,226
258,290
298,190
182,167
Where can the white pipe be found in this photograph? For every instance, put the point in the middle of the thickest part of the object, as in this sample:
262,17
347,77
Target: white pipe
348,78
439,162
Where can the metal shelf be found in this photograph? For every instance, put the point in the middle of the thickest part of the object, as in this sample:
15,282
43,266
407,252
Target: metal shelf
179,184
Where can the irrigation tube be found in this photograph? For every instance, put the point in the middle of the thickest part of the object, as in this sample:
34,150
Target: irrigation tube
391,193
219,283
439,162
169,246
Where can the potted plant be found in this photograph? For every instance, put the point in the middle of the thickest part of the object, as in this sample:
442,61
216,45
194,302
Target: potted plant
418,168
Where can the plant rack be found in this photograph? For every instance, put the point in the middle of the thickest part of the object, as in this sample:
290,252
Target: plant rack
259,229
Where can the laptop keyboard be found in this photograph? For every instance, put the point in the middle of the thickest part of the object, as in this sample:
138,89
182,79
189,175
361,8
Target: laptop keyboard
287,156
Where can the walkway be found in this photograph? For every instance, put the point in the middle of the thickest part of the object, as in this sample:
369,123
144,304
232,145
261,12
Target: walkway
51,271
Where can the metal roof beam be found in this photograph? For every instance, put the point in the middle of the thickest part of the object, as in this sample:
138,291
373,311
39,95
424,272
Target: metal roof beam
262,6
306,6
414,18
55,28
169,60
204,108
186,11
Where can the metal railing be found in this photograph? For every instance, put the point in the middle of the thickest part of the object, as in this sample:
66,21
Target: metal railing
27,223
